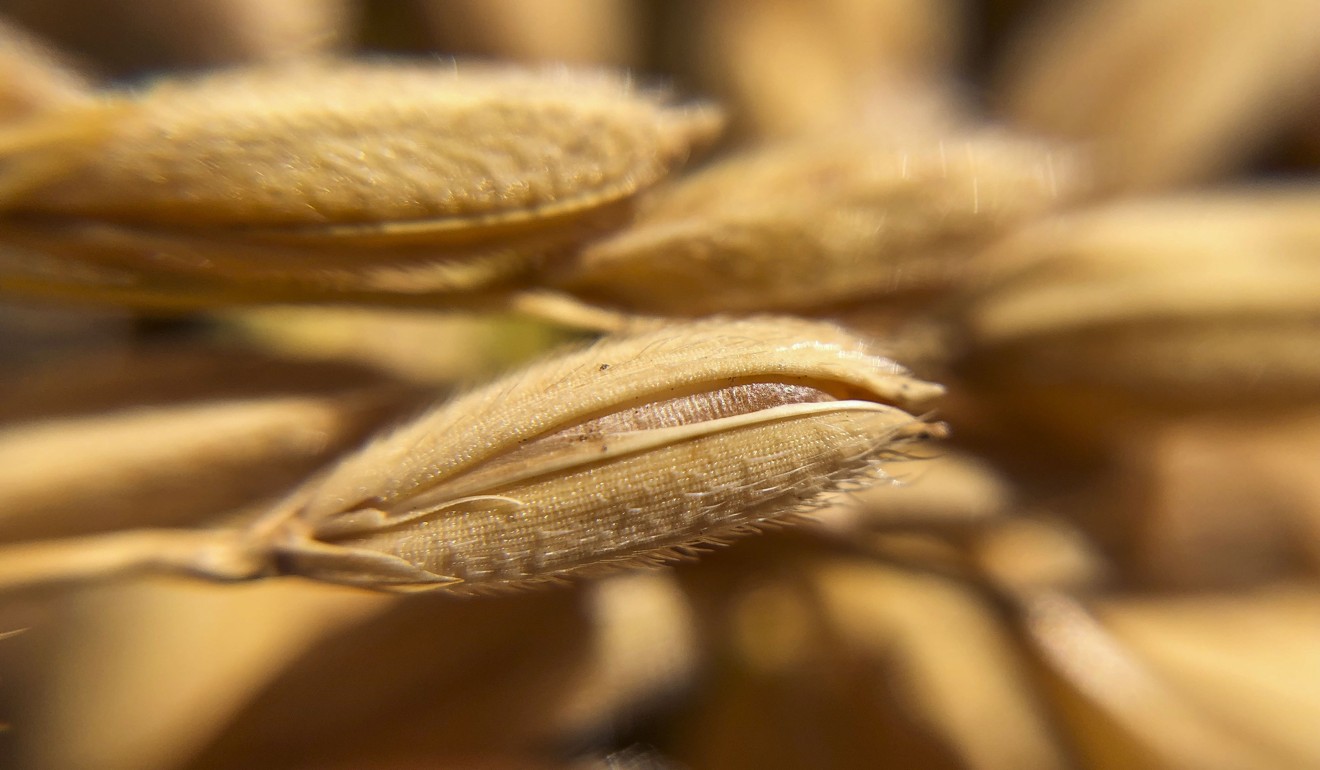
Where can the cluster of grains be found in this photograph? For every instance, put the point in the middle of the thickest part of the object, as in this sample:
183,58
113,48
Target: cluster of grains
1109,559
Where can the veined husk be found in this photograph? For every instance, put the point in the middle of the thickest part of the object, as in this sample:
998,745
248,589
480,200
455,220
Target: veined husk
824,221
1149,308
429,148
633,451
624,453
324,180
810,708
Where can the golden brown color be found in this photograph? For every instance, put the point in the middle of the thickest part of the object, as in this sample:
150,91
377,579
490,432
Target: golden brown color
328,180
1109,564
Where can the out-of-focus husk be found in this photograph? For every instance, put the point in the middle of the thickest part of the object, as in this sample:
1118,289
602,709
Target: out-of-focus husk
129,37
1249,661
1214,503
439,677
413,345
1028,553
1093,323
601,32
834,662
33,77
829,220
191,369
168,466
32,334
788,69
945,489
1129,699
139,676
1168,93
170,435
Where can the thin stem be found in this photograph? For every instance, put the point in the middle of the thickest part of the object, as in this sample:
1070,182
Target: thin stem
565,310
221,554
